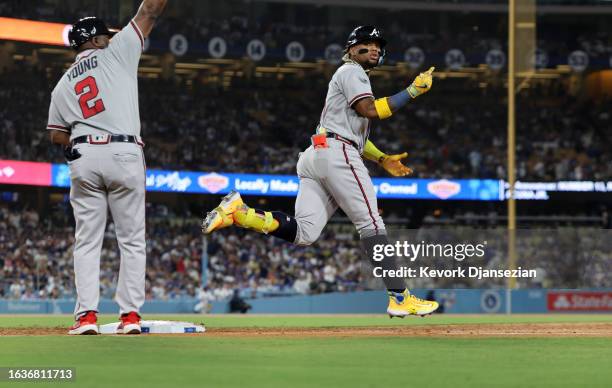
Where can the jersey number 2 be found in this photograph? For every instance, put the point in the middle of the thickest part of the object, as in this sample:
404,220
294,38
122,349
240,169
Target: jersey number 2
87,89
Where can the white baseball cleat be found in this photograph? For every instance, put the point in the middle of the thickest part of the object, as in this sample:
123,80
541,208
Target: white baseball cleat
221,216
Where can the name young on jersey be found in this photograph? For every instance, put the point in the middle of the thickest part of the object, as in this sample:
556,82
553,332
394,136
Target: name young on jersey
82,66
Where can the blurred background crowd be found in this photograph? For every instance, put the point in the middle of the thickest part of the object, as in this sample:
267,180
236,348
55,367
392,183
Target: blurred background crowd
253,121
278,25
261,125
36,258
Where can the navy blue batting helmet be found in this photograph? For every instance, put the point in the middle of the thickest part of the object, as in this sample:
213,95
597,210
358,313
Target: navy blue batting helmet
363,34
85,29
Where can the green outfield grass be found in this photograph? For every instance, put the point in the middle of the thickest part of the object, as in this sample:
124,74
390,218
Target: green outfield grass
251,361
213,321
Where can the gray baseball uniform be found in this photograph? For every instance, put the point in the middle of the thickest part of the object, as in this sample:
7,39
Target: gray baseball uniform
349,84
336,176
98,97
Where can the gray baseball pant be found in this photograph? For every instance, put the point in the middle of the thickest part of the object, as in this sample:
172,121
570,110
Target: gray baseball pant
109,176
330,178
337,177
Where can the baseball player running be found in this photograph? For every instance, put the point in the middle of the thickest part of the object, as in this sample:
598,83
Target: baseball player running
331,171
94,115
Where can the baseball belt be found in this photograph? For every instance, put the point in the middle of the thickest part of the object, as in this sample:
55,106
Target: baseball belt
105,139
331,135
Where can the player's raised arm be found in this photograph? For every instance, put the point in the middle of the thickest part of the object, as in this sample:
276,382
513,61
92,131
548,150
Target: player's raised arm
383,108
147,14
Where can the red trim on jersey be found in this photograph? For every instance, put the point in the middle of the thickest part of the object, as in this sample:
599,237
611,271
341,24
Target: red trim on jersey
365,198
58,127
345,154
359,97
81,58
345,141
138,33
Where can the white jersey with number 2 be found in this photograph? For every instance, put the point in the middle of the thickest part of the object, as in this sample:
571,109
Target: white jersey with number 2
98,94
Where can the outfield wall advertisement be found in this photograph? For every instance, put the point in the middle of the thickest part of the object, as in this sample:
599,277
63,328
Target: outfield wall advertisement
58,175
455,301
576,301
287,185
25,173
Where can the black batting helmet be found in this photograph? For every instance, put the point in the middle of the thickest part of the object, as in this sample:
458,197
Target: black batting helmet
367,34
85,29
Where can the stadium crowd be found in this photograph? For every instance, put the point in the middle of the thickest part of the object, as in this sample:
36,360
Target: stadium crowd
36,258
238,28
261,125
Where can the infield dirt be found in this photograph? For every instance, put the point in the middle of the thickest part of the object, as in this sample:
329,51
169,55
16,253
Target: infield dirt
460,330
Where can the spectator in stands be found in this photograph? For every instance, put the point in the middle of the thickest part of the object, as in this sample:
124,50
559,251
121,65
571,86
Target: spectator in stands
237,304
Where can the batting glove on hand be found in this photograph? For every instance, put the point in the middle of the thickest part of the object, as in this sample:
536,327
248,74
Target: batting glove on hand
71,154
394,166
421,84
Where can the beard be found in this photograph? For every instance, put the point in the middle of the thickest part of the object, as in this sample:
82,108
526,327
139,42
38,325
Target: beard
370,63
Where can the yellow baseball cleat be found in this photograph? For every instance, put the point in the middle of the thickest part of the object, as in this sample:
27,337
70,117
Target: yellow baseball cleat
403,304
221,216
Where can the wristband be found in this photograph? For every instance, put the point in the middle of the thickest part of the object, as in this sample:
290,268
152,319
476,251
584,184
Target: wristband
382,108
400,99
372,153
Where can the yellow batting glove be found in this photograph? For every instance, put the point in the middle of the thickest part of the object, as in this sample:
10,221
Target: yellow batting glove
421,84
394,166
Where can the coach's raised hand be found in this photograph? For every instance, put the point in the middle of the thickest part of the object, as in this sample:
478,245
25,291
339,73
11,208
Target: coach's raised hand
147,14
421,84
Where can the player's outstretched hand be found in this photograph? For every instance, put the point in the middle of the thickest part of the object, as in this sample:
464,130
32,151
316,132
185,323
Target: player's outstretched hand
393,165
421,84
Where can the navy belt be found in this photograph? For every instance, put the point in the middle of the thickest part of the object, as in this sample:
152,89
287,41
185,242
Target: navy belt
105,139
331,135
